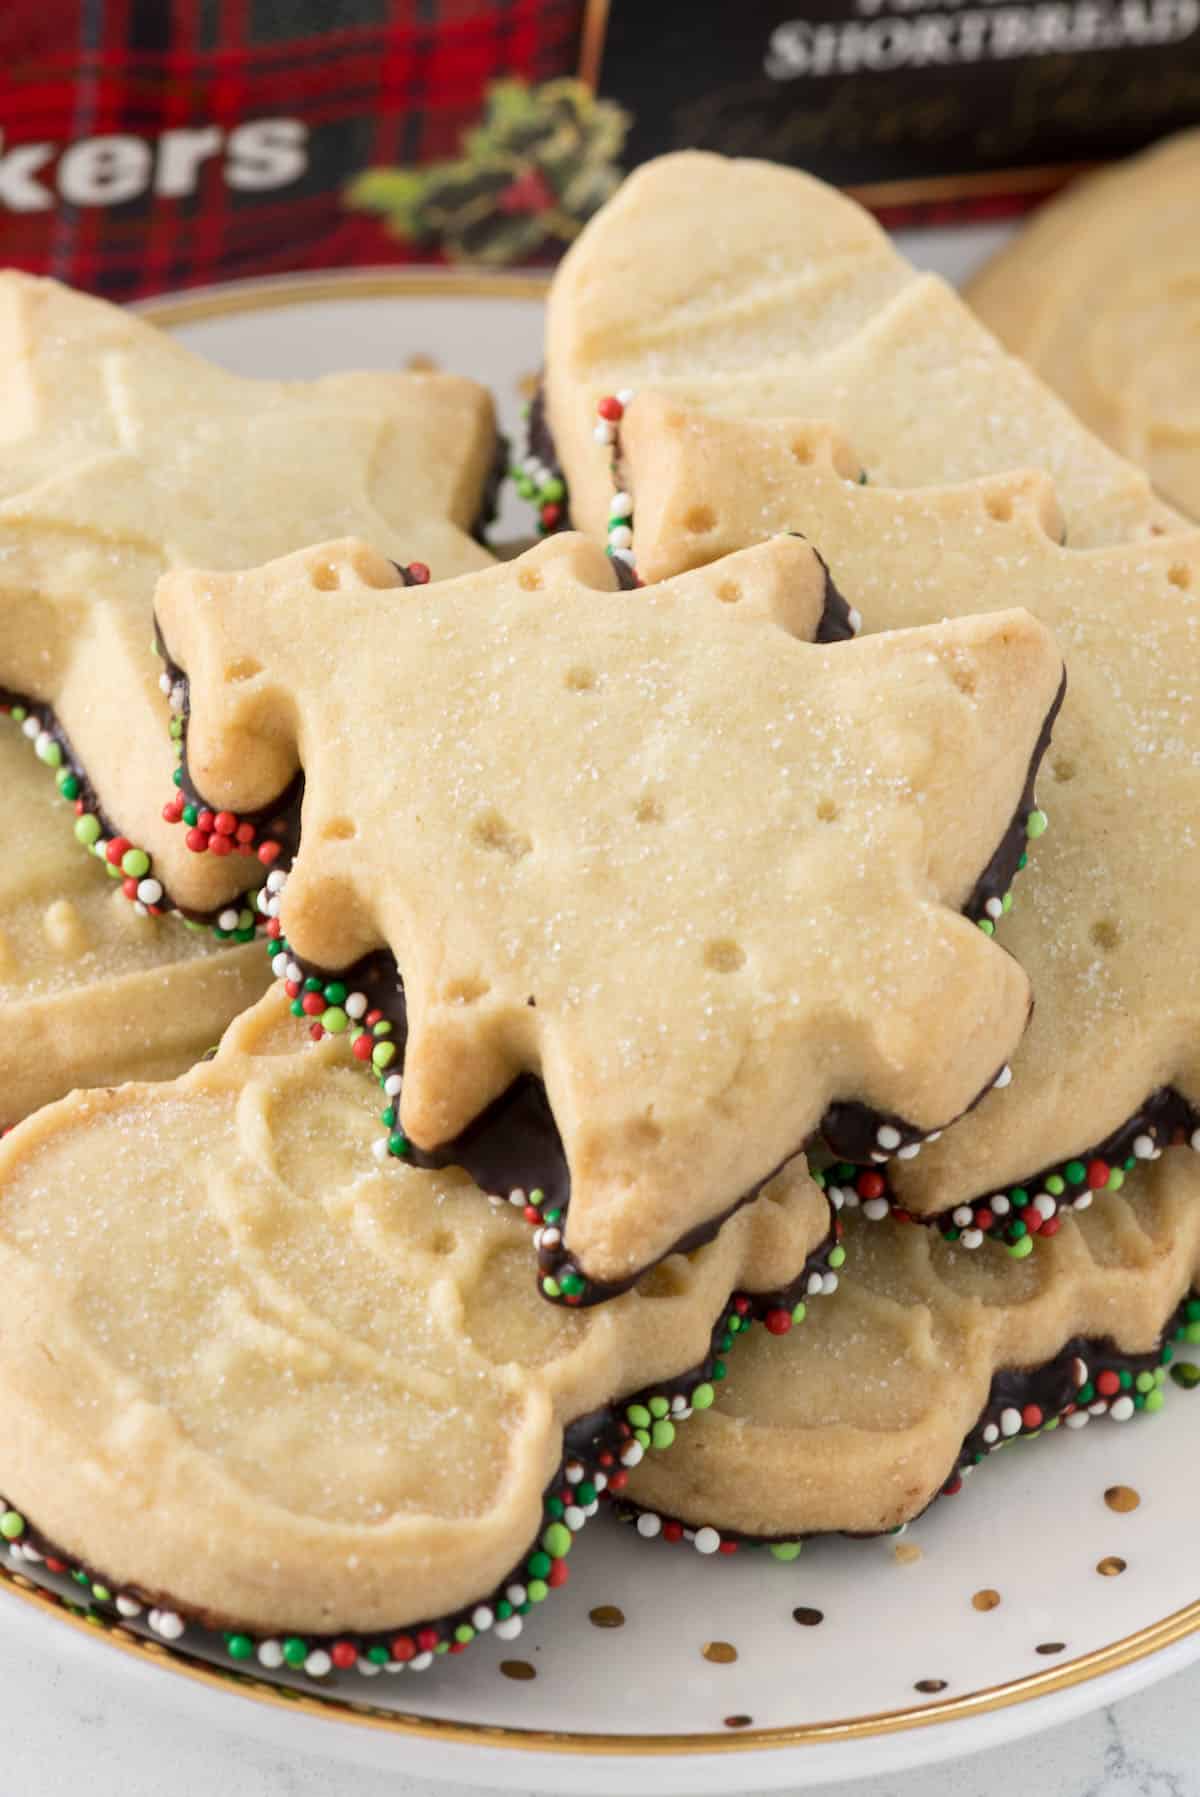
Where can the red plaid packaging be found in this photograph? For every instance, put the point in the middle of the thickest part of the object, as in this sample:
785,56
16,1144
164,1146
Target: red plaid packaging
154,144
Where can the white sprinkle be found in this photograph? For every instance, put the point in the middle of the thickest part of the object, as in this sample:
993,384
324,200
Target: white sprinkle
356,1006
707,1541
1144,1148
909,1152
963,1216
1078,1419
603,432
888,1137
875,1209
991,1434
649,1525
1003,1078
1083,1199
318,1664
508,1630
620,537
855,620
270,1654
621,505
1122,1408
999,1205
1044,1205
482,1619
971,1238
1010,1421
994,908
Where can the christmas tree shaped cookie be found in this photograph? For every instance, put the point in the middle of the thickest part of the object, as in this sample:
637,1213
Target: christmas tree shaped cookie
666,883
258,1381
1109,1072
121,455
812,1437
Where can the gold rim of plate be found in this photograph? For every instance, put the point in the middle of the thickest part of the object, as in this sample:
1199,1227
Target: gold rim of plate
174,311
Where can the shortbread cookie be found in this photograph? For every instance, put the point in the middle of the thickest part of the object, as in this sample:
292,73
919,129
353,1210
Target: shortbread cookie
701,876
91,992
756,291
929,1360
1110,1068
1100,294
121,455
255,1378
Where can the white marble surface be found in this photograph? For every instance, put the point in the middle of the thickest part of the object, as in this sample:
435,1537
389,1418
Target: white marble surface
66,1730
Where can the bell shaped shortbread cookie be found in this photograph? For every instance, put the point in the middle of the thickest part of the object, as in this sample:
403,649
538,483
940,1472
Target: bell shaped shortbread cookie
92,989
255,1379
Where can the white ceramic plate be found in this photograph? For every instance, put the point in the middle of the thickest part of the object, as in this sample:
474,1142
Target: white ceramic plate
903,1666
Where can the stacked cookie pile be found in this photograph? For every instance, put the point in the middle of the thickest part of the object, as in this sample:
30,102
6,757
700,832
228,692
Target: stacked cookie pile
638,911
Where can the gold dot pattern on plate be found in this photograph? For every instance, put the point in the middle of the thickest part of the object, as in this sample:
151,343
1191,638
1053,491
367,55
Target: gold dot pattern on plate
607,1616
1111,1566
986,1599
1122,1498
808,1619
1049,1647
906,1553
719,1653
930,1686
520,1670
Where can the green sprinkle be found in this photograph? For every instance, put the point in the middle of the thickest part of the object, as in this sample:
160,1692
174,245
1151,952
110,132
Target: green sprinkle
639,1416
398,1144
585,1492
68,786
295,1652
1056,1185
551,1287
135,864
1116,1180
12,1525
573,1284
557,1540
336,993
837,1256
702,1397
464,1633
1035,825
658,1406
87,829
1006,903
48,751
239,1647
335,1020
1154,1401
1076,1173
537,1591
383,1054
378,1656
662,1434
553,490
1021,1248
785,1550
987,926
799,1312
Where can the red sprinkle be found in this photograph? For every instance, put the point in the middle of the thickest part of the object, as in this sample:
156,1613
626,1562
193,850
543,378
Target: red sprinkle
402,1648
952,1487
245,833
611,409
558,1575
313,1003
672,1531
728,1547
269,852
225,823
984,1219
1108,1385
418,573
344,1654
220,845
1052,1225
778,1321
1031,1417
118,846
427,1639
618,1481
551,515
197,840
1098,1175
870,1185
362,1048
316,1031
